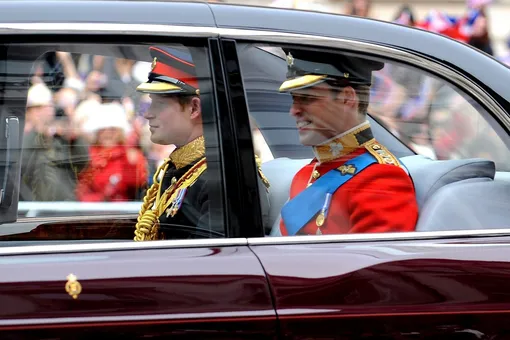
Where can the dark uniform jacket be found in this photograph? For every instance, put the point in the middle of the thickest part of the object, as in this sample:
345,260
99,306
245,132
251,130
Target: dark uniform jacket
194,210
191,216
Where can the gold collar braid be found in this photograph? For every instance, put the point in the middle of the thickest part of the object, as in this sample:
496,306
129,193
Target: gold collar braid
344,144
188,153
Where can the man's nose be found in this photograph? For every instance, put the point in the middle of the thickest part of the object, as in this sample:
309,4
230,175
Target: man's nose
148,114
295,109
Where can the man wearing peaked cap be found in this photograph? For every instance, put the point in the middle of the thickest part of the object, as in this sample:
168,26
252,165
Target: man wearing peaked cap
173,72
180,196
354,184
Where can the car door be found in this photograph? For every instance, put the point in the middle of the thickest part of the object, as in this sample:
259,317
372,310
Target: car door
444,280
78,277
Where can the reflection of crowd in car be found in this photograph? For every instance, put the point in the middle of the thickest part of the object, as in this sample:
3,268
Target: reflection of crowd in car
89,141
114,172
434,119
68,133
49,142
86,127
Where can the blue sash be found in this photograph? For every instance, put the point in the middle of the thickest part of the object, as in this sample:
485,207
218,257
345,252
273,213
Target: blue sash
297,212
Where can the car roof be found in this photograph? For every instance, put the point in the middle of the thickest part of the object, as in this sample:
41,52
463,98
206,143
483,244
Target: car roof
482,69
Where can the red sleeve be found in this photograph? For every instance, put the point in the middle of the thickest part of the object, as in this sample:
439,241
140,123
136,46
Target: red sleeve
137,172
382,200
84,191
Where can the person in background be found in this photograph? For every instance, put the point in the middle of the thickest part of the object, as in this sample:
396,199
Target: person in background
405,16
477,22
53,153
116,172
505,58
360,8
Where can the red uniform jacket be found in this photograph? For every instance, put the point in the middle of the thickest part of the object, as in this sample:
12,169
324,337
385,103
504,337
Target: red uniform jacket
110,176
380,198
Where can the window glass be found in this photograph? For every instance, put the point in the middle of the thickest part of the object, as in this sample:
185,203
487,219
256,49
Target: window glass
117,129
434,118
363,145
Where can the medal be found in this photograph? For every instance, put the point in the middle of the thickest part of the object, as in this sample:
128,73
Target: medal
321,218
177,203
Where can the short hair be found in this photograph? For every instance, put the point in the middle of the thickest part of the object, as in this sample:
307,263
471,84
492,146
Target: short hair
363,93
182,99
185,100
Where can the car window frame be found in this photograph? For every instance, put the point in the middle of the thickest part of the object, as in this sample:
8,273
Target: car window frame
451,76
298,39
140,34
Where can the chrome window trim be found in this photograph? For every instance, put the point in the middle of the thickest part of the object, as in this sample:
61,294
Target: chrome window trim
103,28
121,245
261,241
378,237
371,48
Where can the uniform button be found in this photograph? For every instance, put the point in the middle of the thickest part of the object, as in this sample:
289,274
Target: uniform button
316,174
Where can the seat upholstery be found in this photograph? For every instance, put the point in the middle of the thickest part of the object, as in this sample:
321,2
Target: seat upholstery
280,172
467,205
429,176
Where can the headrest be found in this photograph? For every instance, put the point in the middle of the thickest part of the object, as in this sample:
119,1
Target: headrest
429,175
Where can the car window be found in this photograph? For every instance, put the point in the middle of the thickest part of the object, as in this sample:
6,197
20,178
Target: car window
321,114
115,130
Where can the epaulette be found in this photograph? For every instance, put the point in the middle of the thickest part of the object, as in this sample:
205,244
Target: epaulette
381,153
261,174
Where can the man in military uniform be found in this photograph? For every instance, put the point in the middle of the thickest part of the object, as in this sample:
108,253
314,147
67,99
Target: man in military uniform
354,184
176,206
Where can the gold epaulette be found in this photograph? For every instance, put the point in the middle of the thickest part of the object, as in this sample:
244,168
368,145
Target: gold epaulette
261,174
155,202
383,155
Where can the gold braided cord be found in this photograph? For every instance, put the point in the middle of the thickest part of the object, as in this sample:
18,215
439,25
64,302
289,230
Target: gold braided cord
155,203
264,179
147,222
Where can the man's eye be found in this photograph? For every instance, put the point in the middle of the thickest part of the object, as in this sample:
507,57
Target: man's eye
305,99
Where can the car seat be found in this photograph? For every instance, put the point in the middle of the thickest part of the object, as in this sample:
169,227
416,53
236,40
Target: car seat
444,189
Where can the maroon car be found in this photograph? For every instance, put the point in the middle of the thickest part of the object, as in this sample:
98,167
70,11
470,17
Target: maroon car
70,269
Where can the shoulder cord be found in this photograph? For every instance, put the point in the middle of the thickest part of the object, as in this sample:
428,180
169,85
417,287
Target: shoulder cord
147,222
148,219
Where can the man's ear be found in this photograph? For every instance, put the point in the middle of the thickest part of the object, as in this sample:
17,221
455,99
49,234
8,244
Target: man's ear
196,108
349,97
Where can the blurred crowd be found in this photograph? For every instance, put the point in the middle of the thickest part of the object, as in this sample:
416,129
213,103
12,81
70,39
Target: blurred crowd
91,128
433,118
472,26
86,140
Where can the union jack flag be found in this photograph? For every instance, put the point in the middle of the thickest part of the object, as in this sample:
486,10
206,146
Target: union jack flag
458,28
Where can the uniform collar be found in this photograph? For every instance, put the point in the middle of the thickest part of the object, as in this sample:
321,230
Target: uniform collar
344,143
186,154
